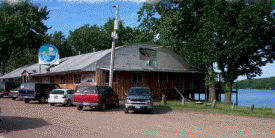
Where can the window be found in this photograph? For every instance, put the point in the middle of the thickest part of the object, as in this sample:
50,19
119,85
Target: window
137,77
70,91
63,80
77,78
52,79
180,78
26,79
107,76
163,77
86,89
57,92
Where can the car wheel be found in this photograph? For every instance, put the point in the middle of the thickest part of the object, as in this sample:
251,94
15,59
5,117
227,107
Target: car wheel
79,107
117,104
69,103
26,101
103,107
42,100
52,104
12,98
126,110
150,111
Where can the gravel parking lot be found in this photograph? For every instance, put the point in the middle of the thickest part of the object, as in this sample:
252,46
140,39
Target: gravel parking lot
43,121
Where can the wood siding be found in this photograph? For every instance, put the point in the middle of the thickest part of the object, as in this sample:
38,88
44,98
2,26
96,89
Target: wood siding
189,82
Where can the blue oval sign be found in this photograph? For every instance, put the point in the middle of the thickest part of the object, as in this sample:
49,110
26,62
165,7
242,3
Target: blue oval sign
48,54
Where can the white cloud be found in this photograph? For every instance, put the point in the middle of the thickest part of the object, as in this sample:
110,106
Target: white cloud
99,1
152,1
13,1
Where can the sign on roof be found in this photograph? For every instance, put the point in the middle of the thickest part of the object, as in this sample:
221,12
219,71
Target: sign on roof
48,54
147,54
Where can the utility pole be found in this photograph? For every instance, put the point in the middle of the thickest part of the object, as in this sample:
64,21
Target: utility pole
114,38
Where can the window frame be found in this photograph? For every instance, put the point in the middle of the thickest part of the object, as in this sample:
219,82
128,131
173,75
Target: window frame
63,78
163,77
107,74
77,78
139,77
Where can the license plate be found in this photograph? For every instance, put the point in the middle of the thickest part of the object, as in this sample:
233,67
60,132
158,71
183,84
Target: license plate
55,97
85,103
138,107
14,95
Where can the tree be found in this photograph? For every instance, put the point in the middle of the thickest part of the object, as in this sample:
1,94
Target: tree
178,27
58,39
239,36
21,27
246,39
87,38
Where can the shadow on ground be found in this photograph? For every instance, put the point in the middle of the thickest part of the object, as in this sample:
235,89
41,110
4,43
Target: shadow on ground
157,110
11,123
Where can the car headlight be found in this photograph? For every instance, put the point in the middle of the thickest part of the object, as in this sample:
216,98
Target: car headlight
128,101
148,101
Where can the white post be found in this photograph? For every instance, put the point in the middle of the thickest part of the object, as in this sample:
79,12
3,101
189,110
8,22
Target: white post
233,106
114,36
182,101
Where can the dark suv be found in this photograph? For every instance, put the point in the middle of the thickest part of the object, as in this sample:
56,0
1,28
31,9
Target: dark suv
95,96
5,87
36,91
139,98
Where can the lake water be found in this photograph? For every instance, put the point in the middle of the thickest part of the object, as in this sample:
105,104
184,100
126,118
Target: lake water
260,98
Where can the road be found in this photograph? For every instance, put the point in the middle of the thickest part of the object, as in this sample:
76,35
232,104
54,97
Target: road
43,121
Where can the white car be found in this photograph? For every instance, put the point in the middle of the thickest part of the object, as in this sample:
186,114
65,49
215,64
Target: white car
61,96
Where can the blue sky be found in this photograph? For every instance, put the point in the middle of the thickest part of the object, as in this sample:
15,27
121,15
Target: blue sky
66,15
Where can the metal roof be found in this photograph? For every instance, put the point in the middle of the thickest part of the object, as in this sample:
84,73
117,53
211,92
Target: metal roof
127,58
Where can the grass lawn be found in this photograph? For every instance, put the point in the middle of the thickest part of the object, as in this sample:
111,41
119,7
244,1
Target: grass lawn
219,108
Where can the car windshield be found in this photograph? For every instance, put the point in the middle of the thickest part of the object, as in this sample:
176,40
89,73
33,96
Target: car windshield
86,89
16,89
57,92
2,86
139,92
27,86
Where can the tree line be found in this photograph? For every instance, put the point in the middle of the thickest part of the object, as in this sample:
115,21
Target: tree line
237,35
263,83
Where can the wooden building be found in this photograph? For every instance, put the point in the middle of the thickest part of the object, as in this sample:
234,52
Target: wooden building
135,65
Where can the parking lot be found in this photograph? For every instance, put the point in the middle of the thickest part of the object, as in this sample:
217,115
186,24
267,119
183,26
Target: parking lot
42,120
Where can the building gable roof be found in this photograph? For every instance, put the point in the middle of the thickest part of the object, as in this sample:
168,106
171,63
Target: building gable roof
127,58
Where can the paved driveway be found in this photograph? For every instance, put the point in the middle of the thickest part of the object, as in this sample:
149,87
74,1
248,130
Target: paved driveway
43,121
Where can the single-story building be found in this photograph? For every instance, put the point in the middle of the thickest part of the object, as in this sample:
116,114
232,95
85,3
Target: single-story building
135,65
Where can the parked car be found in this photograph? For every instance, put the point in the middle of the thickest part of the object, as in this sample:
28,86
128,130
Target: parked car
139,99
5,87
61,96
14,93
95,96
36,91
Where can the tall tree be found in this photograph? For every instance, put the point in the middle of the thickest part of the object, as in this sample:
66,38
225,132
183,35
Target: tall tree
246,39
86,38
21,27
238,35
178,26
